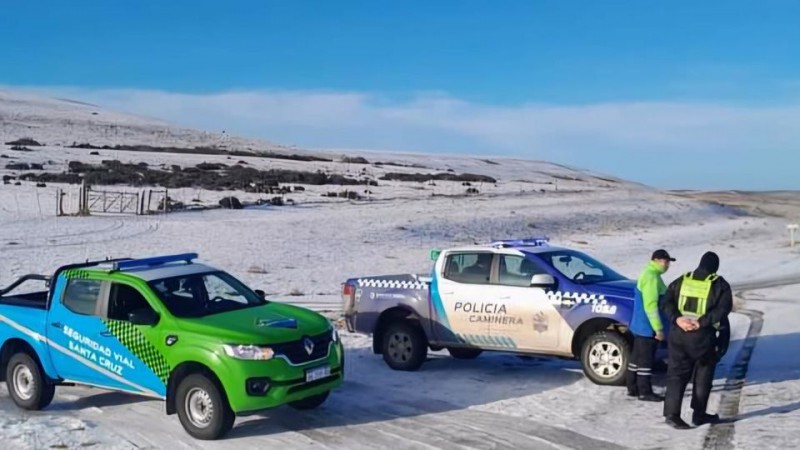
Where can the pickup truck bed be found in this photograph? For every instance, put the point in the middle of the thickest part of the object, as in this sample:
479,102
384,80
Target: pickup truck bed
36,300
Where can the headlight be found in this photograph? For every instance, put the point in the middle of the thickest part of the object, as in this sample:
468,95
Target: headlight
335,335
251,352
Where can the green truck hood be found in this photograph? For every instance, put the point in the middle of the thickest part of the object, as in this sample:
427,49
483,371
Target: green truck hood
268,324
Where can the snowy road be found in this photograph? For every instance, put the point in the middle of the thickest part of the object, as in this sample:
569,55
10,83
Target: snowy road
392,412
498,401
495,402
767,413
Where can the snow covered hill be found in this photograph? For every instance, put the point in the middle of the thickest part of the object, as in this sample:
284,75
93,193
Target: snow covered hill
301,253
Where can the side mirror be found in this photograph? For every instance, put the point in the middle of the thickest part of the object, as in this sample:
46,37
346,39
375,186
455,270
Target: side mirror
543,280
261,293
435,254
143,316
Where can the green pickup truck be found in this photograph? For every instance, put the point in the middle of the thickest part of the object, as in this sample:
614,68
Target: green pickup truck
170,328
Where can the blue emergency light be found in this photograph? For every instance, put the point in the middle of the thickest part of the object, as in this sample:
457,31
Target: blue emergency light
541,241
154,261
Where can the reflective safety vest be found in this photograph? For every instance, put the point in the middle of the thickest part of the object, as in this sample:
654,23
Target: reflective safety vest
693,297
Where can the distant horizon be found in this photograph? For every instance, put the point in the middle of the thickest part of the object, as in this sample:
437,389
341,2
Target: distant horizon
685,95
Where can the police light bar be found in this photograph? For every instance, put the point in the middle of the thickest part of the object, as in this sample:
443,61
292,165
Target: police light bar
154,261
541,241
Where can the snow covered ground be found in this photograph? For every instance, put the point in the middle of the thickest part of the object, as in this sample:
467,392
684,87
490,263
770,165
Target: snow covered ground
302,253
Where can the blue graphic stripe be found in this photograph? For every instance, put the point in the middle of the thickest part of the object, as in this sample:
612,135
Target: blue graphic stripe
55,346
438,306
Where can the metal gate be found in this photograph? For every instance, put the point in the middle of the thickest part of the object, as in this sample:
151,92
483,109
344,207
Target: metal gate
113,202
96,201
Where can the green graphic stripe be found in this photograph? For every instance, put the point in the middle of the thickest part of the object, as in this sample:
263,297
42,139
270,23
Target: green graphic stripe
137,343
76,273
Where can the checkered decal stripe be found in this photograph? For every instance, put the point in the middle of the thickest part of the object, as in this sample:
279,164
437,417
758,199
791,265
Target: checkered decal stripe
487,341
76,273
574,298
137,343
392,284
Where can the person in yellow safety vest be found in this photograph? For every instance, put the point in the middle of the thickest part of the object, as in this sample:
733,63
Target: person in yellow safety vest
697,304
647,326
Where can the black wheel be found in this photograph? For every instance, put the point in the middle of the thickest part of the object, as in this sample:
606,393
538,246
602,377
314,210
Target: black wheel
464,353
27,384
313,402
202,409
404,346
604,357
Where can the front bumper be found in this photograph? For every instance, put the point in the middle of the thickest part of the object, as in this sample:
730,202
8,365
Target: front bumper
287,382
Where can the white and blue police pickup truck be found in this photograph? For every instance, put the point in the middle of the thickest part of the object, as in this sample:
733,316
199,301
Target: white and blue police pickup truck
522,296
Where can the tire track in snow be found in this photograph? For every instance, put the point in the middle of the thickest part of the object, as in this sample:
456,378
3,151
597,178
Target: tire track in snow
148,229
115,225
357,417
720,435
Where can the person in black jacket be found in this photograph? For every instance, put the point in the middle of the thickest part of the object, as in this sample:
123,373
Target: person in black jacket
697,305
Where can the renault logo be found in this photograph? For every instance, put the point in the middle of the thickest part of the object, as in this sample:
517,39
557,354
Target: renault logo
308,344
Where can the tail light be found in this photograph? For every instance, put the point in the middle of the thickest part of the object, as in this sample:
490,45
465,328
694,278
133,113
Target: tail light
348,304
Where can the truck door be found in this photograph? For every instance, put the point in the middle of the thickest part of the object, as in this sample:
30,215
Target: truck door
461,297
534,324
88,344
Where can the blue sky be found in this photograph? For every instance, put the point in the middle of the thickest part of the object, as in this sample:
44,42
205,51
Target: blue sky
633,88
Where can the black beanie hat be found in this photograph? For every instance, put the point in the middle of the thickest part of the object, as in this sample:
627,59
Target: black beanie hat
709,263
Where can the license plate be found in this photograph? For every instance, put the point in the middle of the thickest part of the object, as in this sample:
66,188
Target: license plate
317,373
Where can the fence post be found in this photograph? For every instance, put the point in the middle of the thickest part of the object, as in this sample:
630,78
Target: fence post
59,206
792,228
83,201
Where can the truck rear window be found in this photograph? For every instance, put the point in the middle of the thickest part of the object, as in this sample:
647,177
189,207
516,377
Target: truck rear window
81,296
471,268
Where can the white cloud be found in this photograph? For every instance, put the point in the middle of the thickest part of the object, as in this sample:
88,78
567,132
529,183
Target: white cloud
624,137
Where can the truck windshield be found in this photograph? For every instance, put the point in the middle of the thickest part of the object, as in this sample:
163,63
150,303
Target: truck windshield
580,267
203,294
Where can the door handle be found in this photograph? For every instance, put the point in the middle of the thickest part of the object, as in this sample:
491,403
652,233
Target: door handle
106,334
57,325
507,297
447,293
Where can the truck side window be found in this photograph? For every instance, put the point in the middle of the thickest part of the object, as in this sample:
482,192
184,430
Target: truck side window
81,296
517,271
123,300
472,268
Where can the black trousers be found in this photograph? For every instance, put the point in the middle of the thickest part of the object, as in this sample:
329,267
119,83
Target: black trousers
640,367
692,357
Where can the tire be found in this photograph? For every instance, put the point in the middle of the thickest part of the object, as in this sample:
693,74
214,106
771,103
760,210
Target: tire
313,402
464,353
203,410
404,346
604,357
27,384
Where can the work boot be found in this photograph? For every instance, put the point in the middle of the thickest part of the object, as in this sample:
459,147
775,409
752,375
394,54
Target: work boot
651,397
630,381
677,423
703,418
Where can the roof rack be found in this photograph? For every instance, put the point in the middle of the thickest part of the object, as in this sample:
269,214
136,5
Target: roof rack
541,241
151,262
